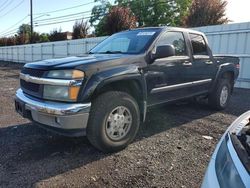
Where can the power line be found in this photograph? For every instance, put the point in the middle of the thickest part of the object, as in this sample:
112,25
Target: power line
4,7
53,23
6,30
4,3
62,17
13,31
12,9
59,10
73,17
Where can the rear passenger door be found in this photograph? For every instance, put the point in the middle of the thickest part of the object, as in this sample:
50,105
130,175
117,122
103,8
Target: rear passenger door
203,69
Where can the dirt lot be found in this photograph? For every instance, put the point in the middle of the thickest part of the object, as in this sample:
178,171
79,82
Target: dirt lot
169,150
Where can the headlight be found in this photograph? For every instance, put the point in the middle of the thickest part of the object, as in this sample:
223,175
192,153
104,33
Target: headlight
65,74
226,171
63,92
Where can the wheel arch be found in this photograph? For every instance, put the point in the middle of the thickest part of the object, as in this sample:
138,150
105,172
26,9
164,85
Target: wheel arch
132,86
226,71
126,79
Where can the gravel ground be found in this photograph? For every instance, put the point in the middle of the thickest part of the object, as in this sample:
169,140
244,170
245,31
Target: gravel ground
169,150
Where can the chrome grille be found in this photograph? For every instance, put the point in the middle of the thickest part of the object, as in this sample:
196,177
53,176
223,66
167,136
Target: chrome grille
29,88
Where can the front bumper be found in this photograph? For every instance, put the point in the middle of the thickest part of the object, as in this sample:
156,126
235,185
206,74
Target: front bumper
69,119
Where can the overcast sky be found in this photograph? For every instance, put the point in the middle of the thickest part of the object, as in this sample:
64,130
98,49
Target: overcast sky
14,11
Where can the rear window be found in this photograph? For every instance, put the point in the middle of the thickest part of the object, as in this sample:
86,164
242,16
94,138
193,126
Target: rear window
198,44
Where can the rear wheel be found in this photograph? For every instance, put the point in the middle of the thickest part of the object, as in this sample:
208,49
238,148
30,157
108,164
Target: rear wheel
219,98
114,121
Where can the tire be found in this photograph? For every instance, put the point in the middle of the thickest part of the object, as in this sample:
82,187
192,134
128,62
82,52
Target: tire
102,129
220,97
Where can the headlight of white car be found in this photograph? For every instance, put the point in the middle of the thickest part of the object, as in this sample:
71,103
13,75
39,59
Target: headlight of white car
226,171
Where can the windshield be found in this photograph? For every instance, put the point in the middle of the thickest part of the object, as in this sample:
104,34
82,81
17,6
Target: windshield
129,42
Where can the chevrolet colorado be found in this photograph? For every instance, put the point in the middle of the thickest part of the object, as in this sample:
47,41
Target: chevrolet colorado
106,93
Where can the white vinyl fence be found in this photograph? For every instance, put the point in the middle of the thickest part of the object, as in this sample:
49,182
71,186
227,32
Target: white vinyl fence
48,50
231,39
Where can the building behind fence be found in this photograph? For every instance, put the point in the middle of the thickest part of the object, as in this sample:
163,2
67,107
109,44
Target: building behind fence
232,39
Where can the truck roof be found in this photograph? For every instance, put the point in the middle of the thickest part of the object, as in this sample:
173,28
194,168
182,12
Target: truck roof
169,28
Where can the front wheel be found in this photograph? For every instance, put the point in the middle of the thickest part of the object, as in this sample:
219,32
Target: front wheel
114,121
219,98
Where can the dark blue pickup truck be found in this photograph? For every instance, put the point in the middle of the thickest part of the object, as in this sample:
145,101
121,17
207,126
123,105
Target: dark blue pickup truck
106,93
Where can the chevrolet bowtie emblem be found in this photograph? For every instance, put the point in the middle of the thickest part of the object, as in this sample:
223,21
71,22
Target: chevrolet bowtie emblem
27,77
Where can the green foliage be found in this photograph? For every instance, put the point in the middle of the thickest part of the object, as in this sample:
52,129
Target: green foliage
100,27
206,12
24,33
44,37
23,37
24,29
99,11
157,12
56,35
118,19
80,29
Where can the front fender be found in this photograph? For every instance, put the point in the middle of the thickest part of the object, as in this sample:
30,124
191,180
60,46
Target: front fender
101,78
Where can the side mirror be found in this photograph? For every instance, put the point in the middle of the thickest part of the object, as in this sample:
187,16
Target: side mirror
164,51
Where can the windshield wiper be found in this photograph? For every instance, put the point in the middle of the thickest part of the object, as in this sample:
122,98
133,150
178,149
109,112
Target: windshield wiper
111,52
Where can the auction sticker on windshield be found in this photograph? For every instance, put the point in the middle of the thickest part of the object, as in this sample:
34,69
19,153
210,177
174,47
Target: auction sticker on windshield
145,33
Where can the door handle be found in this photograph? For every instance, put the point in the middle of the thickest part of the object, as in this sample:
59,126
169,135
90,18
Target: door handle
187,63
209,62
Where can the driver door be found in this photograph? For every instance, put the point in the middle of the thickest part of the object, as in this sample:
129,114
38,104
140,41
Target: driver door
165,76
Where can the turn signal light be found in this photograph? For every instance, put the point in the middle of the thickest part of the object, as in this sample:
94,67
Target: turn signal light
77,74
73,92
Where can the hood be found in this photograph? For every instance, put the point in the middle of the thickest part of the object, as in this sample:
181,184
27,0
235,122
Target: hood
92,61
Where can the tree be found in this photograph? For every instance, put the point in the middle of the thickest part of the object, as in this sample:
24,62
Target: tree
23,37
206,12
44,37
24,28
118,19
80,29
24,32
11,41
99,11
56,35
36,37
157,12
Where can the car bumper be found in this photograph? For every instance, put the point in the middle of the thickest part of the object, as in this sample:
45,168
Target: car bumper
211,179
69,119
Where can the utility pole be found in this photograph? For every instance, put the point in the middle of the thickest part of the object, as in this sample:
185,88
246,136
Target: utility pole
31,21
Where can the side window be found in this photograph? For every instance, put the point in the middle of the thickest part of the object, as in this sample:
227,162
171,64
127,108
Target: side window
176,39
198,44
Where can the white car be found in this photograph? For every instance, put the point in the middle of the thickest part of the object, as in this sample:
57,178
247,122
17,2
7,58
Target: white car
229,166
